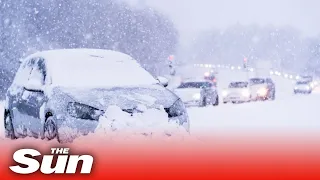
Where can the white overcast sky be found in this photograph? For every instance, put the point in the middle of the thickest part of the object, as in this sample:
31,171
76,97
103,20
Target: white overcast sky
192,16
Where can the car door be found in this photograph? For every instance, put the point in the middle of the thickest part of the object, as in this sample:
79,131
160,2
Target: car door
270,84
210,90
19,120
33,99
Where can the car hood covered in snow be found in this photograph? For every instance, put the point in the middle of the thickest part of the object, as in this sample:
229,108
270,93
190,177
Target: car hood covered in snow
152,96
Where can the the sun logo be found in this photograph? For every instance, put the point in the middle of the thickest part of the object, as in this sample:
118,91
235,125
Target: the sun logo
66,164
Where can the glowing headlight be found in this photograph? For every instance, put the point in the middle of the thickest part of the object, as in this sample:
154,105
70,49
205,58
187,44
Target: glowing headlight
246,93
196,96
308,88
262,91
224,93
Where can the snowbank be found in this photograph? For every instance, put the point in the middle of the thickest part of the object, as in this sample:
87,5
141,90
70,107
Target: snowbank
117,126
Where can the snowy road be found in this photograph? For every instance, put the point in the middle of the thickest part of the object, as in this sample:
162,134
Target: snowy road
288,113
296,114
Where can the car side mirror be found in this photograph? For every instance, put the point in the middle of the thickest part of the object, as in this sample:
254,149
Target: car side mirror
163,81
34,85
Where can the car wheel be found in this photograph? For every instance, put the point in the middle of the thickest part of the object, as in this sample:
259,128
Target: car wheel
9,130
203,102
273,96
216,103
50,129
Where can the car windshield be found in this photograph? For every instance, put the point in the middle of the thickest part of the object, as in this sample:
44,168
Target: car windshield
96,72
257,81
238,85
195,85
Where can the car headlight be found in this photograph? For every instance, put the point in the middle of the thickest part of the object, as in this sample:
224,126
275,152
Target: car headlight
224,93
295,88
177,109
262,91
83,111
308,88
245,93
196,96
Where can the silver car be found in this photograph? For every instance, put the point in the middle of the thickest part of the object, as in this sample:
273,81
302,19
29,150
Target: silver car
57,93
198,92
303,87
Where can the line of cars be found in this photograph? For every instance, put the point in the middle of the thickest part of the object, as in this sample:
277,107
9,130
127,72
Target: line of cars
254,90
203,91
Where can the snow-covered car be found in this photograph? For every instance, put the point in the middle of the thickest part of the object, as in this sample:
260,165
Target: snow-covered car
58,92
262,89
303,87
198,92
237,92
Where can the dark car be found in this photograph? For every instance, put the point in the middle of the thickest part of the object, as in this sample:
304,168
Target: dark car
262,89
60,94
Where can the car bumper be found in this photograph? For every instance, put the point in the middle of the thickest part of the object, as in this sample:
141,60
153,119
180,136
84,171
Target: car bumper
192,103
236,99
302,91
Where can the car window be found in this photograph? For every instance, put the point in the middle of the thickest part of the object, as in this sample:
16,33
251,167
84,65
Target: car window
38,72
238,85
195,85
24,72
269,81
257,81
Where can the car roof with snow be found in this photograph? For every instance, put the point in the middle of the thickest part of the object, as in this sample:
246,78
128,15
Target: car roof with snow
94,67
80,54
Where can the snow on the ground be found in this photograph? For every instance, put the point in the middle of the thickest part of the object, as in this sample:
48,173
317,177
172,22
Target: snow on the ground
290,115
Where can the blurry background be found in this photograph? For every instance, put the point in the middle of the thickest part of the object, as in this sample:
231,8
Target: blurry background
284,32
